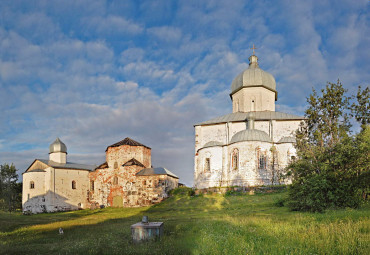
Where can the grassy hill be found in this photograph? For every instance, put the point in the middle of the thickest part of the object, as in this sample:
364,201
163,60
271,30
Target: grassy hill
208,224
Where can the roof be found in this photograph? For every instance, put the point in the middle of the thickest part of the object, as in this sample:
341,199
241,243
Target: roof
287,139
251,135
104,165
212,144
57,146
156,171
258,115
37,170
67,165
127,141
133,162
254,76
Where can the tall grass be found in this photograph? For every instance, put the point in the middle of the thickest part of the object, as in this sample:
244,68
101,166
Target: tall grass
208,224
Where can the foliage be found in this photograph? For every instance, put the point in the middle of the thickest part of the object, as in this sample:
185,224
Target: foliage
212,224
10,190
332,169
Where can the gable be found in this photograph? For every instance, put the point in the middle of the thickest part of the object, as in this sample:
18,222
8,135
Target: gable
37,164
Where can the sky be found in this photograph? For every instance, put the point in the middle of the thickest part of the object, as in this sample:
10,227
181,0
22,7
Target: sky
93,72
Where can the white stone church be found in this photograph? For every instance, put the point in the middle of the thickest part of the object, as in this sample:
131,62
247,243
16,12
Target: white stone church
252,145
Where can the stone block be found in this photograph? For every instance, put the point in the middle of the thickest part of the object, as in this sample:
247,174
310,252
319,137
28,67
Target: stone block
146,231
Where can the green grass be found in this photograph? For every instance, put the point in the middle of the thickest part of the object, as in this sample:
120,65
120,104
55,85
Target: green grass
208,224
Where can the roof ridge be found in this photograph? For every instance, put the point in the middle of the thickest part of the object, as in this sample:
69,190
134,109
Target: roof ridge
127,141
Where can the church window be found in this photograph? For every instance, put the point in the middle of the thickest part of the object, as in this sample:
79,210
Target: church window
115,165
207,165
235,159
32,185
73,184
92,185
144,183
115,180
262,161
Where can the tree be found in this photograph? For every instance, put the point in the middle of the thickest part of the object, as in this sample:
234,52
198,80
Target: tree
9,188
331,164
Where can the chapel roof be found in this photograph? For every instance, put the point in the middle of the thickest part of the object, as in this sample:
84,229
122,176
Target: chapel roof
68,165
254,76
251,135
244,116
133,162
127,141
156,171
102,166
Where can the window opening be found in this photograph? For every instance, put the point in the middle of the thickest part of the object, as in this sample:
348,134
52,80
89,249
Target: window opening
207,165
115,180
32,185
73,185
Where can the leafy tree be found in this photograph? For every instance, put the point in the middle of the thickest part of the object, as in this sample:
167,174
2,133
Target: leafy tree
332,169
361,108
9,188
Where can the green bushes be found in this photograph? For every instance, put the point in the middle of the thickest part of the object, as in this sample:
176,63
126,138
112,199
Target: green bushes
333,167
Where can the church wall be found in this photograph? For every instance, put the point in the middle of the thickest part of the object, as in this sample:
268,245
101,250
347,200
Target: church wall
284,128
130,190
214,175
253,99
212,133
65,197
124,153
235,127
32,199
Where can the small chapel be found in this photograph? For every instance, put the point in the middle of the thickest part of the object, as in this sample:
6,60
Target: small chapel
251,146
125,179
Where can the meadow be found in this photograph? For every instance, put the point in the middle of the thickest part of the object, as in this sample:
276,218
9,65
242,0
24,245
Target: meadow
205,224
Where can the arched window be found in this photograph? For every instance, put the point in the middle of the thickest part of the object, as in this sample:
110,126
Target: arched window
207,165
73,185
92,185
261,160
115,165
235,159
32,185
115,180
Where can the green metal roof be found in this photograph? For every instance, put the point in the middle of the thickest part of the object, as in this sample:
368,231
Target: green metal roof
156,171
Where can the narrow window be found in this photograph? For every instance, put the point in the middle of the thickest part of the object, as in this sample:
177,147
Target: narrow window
92,185
32,185
73,185
262,161
115,165
235,160
207,165
115,180
144,183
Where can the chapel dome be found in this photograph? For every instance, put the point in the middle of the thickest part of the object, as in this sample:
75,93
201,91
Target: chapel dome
251,135
254,76
57,146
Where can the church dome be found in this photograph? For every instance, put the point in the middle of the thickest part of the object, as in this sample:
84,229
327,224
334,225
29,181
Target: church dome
212,144
251,135
287,139
57,146
254,76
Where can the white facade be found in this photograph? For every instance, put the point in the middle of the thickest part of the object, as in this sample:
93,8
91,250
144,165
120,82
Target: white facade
251,146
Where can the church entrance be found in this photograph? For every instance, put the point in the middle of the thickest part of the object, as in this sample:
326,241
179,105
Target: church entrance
117,201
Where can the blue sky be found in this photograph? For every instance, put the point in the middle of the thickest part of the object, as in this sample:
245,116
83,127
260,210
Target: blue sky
94,72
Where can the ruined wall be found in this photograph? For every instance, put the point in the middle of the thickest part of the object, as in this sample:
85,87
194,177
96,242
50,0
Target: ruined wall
124,153
122,188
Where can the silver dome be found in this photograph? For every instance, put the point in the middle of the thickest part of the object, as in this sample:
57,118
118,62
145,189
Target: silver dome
287,139
212,144
251,135
254,76
57,146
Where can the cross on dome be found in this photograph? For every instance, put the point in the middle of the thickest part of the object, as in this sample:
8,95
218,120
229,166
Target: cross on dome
253,48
